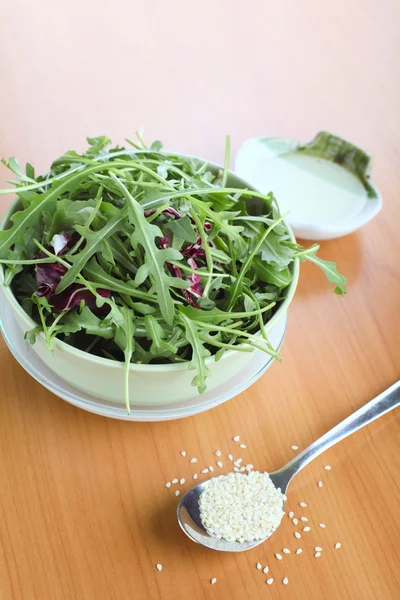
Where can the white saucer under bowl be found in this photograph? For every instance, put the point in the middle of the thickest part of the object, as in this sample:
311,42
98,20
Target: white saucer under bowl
29,360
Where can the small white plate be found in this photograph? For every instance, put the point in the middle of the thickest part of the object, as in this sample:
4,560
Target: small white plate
29,360
323,185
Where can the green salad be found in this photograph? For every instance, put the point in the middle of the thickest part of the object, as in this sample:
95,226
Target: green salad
148,257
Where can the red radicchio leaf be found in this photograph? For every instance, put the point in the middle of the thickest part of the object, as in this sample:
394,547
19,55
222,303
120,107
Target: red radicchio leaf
74,295
60,243
48,277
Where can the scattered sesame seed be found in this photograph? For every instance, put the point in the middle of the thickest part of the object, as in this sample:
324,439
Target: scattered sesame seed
236,438
218,453
286,551
236,469
299,550
159,567
211,468
322,525
303,519
249,467
270,581
242,469
297,535
295,447
285,581
182,481
220,464
306,528
337,545
195,475
193,460
230,457
265,570
205,470
291,515
168,484
327,467
295,521
177,492
303,504
242,446
183,452
175,480
320,484
237,462
278,556
318,549
258,566
213,580
317,554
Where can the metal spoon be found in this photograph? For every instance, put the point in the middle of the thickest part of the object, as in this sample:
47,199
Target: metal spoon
188,509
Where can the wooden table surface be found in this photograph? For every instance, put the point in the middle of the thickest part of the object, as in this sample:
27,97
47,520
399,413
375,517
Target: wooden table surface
84,511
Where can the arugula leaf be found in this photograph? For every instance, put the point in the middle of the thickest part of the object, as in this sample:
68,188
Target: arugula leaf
145,234
125,341
199,354
92,325
94,241
96,274
270,274
182,229
330,270
155,333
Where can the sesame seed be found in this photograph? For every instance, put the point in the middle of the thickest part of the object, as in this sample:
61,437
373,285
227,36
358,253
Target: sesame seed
218,453
249,467
303,519
297,535
270,581
299,550
193,460
237,462
159,567
195,475
175,480
295,447
236,438
337,545
220,464
303,504
205,470
278,556
236,469
295,521
177,492
317,554
320,484
265,570
182,481
258,566
291,515
213,580
242,446
211,468
230,457
168,484
322,525
286,551
242,469
307,528
327,467
285,581
318,549
183,452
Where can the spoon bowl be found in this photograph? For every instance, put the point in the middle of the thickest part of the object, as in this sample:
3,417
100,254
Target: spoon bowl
188,511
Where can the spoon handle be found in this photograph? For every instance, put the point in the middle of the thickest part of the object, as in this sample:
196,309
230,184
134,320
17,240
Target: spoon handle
377,407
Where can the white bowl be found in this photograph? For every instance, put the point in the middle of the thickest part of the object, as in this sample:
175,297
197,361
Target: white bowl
151,385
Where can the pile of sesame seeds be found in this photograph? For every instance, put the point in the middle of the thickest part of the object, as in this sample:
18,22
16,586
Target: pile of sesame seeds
243,508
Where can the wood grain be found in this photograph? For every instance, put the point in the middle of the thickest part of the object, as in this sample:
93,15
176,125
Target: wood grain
84,512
